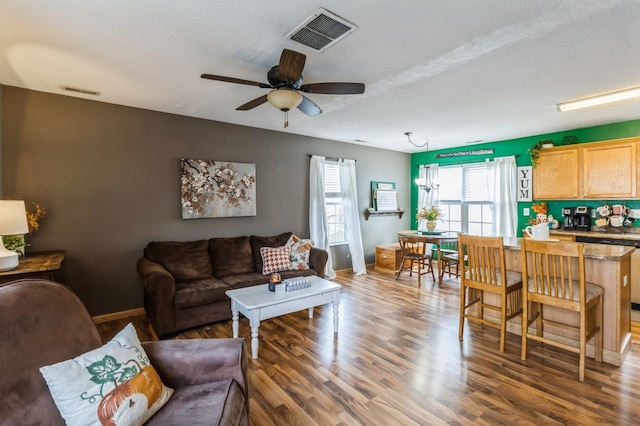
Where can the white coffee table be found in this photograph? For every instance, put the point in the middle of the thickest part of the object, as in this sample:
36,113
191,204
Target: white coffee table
258,303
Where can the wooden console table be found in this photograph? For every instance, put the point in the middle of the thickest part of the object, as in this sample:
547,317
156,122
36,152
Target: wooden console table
35,265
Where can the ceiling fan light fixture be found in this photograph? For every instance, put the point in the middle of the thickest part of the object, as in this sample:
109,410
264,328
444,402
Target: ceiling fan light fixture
284,99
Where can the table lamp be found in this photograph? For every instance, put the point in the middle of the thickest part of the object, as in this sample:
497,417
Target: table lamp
13,221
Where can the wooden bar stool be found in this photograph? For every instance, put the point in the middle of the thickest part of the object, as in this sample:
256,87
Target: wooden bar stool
555,276
485,271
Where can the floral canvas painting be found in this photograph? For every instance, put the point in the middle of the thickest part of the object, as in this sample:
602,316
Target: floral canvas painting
217,189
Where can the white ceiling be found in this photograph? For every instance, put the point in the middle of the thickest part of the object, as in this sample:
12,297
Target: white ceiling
452,72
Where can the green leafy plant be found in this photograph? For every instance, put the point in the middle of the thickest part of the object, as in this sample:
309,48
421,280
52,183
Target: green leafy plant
430,214
534,151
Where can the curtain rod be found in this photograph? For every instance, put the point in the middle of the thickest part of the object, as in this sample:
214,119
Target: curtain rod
332,158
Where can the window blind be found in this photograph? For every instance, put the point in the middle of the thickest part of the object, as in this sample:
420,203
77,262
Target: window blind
474,182
331,178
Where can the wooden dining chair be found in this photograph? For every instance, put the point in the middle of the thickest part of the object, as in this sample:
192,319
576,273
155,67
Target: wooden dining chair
450,259
414,249
485,272
556,278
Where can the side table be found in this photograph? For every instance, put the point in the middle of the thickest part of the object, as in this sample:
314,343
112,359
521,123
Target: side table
35,265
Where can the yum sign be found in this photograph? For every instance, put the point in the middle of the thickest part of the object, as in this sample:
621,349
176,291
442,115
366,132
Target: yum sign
524,183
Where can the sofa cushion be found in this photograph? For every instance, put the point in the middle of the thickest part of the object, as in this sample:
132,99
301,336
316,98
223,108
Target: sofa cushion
300,251
245,280
258,242
297,273
201,292
113,384
214,403
275,259
231,256
256,278
185,260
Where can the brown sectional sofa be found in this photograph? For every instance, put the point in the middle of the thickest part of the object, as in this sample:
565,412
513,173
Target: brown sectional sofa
185,282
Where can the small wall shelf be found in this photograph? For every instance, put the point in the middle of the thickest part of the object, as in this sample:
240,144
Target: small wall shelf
371,212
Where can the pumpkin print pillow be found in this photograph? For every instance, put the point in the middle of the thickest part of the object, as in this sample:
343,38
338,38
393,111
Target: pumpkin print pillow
112,385
300,252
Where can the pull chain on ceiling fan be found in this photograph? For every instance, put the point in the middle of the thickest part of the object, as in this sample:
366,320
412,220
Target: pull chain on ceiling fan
286,81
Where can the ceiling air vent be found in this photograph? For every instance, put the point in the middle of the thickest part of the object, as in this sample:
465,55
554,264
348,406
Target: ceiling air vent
322,30
80,90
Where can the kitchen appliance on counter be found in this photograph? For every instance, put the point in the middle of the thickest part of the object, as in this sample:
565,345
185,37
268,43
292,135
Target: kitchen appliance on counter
582,217
569,218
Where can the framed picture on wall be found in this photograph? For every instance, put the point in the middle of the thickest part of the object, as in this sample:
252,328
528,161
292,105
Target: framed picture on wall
217,189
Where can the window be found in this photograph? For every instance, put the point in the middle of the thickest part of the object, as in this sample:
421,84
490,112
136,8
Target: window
464,198
334,204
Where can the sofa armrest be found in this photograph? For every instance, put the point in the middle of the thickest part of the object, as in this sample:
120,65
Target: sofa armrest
156,279
318,260
197,361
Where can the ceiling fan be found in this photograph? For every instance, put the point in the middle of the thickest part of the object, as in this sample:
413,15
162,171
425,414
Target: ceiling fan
285,80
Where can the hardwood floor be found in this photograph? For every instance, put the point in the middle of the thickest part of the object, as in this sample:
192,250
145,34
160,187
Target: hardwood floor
397,360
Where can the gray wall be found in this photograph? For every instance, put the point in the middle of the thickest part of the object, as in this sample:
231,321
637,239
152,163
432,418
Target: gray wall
108,176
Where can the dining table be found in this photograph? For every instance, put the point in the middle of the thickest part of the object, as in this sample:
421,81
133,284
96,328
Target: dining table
435,238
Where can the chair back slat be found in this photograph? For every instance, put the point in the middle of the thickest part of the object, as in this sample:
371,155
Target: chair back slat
485,258
554,269
412,245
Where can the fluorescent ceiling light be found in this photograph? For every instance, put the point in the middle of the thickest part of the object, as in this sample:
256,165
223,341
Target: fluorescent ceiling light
606,98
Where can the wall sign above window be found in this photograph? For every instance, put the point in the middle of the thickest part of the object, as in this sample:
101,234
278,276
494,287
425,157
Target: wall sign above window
465,153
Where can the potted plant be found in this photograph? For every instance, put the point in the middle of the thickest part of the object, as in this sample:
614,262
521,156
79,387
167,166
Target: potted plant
534,151
430,214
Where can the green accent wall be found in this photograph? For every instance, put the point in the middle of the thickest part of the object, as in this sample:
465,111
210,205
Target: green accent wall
519,147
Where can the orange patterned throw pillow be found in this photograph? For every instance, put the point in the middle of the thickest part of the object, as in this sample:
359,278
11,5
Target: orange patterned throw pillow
112,385
300,251
275,259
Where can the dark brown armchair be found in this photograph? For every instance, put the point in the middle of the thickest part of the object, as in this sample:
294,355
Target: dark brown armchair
42,322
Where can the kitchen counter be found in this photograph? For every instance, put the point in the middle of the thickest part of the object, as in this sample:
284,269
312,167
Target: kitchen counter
617,233
608,266
591,251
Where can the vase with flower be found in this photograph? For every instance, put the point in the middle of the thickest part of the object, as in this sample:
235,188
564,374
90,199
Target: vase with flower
430,215
18,243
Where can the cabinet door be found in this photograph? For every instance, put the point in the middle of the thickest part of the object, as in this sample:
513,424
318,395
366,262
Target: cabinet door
610,171
555,176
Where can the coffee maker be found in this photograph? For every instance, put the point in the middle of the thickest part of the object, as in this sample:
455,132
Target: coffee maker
582,217
569,214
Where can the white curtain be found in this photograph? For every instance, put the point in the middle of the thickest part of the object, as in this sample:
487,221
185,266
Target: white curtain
502,191
317,211
349,188
431,198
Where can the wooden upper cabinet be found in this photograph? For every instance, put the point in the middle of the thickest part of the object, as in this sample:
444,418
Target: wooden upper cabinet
598,170
556,174
610,170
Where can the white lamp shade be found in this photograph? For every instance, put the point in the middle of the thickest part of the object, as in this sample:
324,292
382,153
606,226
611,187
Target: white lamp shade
284,99
13,218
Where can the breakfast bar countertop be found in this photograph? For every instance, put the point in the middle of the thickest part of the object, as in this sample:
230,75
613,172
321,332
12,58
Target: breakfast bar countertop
591,251
608,266
632,234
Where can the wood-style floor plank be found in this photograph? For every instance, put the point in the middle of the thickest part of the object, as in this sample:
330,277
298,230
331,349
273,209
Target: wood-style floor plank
397,360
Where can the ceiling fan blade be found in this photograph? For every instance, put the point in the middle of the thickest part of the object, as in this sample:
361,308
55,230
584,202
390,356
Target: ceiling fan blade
252,104
291,65
235,80
309,107
334,88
